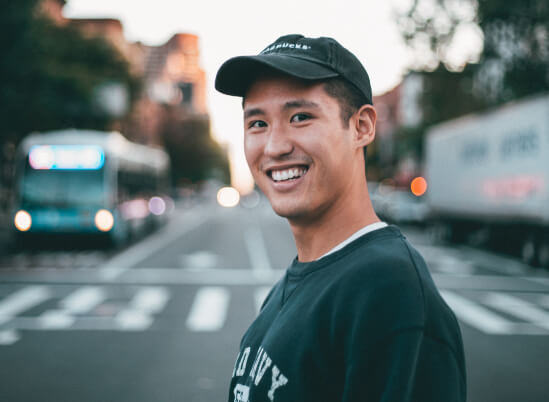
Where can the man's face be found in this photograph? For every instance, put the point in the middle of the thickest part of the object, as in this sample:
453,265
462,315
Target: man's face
298,150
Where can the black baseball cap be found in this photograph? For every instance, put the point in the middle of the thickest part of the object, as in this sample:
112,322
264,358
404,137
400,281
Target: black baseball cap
297,56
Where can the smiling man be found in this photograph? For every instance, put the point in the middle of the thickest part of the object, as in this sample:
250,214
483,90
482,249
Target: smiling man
357,316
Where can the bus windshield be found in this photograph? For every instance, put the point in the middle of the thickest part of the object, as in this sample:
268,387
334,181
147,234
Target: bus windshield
62,188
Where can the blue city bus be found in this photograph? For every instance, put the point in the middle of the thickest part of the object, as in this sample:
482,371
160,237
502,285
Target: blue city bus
88,182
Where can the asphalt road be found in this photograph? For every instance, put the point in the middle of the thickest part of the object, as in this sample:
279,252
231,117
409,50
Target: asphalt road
162,319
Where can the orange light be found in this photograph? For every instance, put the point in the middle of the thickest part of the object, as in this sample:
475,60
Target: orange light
418,186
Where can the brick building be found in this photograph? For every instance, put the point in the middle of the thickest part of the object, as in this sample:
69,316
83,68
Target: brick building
173,82
398,108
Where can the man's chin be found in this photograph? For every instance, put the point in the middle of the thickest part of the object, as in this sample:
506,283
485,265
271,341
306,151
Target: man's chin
290,212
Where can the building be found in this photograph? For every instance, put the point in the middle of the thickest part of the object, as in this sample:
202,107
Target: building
397,109
173,74
173,82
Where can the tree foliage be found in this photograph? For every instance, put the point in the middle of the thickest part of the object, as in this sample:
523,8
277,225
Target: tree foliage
194,154
48,73
513,60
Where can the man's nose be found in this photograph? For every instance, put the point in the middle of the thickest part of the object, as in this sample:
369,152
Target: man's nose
279,143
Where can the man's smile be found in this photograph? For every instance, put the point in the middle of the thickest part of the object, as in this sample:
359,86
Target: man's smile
286,174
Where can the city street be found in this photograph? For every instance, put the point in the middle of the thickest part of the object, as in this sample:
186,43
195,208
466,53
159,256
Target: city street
161,320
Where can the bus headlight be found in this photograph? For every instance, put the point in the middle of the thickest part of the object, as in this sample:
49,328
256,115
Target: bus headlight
104,220
23,221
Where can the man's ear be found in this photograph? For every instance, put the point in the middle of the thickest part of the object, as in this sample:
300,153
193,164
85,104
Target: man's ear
365,125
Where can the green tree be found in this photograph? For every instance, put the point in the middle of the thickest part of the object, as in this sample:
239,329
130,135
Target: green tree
194,154
49,73
514,59
49,76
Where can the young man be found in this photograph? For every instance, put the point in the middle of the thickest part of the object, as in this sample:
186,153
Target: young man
357,316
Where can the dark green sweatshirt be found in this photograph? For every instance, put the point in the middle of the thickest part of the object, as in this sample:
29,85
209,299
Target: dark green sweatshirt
365,323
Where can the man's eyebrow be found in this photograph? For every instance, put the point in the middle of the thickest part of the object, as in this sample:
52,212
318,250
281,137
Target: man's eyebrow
300,103
293,104
253,112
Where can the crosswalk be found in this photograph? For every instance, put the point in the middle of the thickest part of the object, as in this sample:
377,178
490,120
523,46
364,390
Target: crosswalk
95,308
92,308
500,313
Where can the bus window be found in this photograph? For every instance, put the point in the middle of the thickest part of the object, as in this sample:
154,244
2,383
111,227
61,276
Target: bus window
62,188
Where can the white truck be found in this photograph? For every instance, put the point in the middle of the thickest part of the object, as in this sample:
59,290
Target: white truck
488,175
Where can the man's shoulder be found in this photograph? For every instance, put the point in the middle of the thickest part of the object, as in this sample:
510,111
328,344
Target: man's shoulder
380,257
384,274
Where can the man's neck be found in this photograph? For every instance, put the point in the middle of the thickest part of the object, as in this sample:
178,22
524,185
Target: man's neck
314,239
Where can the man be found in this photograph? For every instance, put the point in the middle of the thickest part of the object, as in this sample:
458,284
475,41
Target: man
357,316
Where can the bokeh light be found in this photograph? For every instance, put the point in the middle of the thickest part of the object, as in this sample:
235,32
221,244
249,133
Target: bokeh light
157,206
104,220
418,186
228,197
251,200
23,221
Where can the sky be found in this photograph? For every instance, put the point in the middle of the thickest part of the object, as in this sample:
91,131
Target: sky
228,28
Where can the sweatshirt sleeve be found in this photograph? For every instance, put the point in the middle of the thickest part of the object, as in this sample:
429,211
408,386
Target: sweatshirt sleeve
395,344
408,366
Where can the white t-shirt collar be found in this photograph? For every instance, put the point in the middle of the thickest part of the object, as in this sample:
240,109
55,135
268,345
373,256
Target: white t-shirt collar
361,232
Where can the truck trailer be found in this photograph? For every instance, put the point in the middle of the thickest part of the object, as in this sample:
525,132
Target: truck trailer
488,176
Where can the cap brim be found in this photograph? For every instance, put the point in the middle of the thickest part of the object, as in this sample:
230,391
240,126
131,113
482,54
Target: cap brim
235,75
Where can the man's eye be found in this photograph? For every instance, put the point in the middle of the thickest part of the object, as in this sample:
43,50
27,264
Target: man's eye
257,124
299,117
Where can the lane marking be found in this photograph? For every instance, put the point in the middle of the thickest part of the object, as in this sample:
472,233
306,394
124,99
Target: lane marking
120,263
537,279
257,251
225,277
476,315
452,265
83,300
121,322
544,301
150,300
8,337
55,319
260,295
245,277
133,320
518,307
22,300
209,309
198,260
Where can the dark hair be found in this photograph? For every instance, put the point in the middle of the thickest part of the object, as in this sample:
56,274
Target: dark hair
349,98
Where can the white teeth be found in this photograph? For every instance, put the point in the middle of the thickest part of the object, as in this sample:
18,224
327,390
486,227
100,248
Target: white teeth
280,175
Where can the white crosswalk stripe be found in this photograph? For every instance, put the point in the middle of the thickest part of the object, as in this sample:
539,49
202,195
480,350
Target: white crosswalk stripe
533,320
83,300
146,302
475,315
518,308
150,299
209,309
260,295
56,319
8,337
22,300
